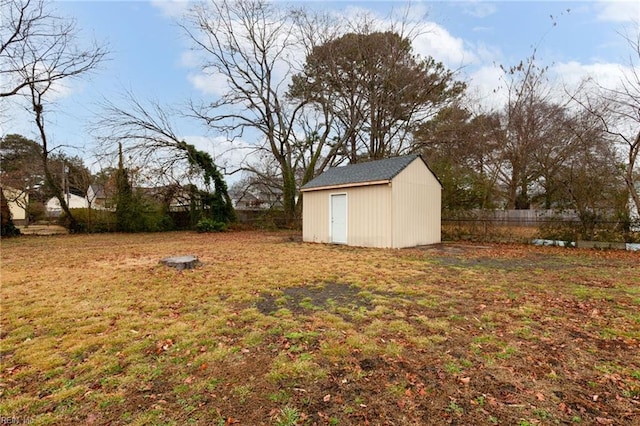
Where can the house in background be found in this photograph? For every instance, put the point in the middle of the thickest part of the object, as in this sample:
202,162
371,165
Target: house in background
97,197
256,198
17,201
245,200
390,203
53,209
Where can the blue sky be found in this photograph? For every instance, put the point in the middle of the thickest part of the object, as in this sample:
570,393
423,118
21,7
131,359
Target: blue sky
150,55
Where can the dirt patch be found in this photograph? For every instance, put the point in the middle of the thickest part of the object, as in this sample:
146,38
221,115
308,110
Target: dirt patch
309,298
43,230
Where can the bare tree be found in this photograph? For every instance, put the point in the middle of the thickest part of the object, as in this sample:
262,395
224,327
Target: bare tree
145,132
618,111
23,22
40,51
532,121
462,148
249,46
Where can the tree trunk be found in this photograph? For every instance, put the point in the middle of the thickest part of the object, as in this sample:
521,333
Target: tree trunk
289,197
51,182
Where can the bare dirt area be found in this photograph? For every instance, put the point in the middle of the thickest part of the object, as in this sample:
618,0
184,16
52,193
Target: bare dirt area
43,229
272,331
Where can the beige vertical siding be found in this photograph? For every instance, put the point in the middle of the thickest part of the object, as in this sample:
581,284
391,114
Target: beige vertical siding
416,206
315,217
369,221
368,215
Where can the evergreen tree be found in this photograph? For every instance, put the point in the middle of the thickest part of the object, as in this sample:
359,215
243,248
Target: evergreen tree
124,197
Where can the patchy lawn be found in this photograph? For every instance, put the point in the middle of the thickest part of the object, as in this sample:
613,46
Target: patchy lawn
276,332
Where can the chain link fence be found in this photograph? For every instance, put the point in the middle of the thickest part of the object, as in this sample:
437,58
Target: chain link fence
526,225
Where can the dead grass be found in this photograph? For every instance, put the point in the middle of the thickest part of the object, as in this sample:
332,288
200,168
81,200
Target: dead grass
273,331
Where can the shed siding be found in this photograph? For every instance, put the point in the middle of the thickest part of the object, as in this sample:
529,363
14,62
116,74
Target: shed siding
315,217
416,207
369,216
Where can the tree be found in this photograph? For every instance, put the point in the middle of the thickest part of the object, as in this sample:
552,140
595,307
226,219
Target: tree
38,51
376,88
618,111
461,148
250,47
7,228
124,196
524,83
588,179
22,170
146,133
23,22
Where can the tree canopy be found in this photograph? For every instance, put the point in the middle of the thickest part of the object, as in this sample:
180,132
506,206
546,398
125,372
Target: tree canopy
376,88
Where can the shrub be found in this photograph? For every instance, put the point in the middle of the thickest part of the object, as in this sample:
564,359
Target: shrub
92,220
210,225
559,230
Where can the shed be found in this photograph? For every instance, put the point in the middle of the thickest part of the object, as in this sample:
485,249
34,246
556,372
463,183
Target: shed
391,203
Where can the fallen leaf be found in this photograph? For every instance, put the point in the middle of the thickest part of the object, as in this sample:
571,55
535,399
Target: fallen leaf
540,396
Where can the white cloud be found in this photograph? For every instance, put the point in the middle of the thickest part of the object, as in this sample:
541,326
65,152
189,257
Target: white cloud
485,86
436,41
189,59
619,11
480,9
606,74
172,8
210,84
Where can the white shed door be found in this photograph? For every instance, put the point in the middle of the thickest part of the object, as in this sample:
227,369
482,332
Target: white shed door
339,218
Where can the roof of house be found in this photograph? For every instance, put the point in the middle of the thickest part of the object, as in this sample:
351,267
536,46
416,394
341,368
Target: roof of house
362,173
98,191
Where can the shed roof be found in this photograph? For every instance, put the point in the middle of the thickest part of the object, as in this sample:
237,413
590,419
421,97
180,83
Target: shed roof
379,171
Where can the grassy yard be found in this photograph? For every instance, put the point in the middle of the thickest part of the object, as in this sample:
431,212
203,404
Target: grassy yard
273,331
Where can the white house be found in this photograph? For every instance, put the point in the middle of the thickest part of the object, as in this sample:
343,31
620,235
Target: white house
387,203
53,209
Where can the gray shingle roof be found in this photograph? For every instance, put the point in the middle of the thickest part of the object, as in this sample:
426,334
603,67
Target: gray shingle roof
360,173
